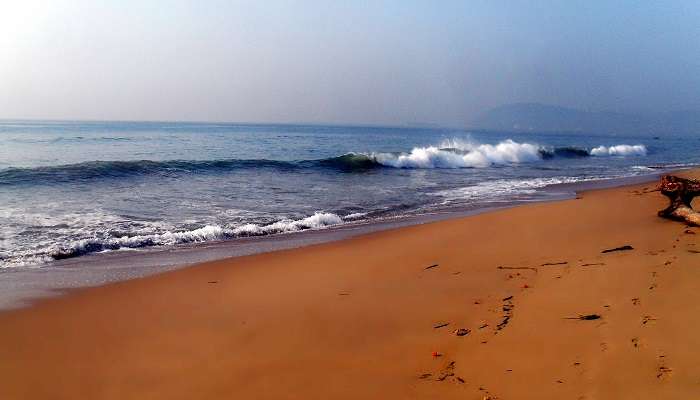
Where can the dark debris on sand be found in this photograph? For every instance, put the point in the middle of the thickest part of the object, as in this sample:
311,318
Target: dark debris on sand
621,248
507,313
462,332
586,317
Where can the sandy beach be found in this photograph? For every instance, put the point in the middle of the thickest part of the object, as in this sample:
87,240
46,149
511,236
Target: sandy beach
483,307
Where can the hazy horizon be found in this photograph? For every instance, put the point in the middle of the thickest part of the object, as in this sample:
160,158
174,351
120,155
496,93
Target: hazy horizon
384,63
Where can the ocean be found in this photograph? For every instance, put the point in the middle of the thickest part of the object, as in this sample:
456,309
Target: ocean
69,189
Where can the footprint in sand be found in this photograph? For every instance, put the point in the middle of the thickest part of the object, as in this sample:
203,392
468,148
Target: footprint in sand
507,313
462,332
635,301
487,394
447,373
647,318
635,342
663,371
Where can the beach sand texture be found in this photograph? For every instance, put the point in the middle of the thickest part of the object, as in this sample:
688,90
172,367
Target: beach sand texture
483,307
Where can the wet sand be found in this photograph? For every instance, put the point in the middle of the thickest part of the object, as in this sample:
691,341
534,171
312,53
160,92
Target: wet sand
378,316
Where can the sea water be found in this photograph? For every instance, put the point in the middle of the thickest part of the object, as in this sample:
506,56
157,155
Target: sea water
68,189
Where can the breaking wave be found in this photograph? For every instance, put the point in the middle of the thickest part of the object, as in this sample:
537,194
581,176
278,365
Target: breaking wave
204,234
449,154
459,154
620,150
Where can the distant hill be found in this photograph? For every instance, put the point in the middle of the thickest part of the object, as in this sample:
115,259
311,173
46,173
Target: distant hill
545,118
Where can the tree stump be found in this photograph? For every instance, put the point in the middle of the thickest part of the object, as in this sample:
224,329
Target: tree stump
680,192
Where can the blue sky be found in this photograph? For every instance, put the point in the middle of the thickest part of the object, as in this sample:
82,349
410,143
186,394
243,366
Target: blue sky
392,62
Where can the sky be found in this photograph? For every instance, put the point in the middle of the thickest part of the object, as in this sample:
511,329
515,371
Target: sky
360,62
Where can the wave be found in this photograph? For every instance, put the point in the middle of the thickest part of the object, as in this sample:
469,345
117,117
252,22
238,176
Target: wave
460,154
94,170
451,154
620,150
566,152
204,234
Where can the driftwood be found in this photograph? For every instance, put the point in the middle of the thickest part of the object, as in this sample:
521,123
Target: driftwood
680,192
588,317
621,248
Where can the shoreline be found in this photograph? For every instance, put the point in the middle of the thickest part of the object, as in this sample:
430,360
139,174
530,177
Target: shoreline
24,287
480,307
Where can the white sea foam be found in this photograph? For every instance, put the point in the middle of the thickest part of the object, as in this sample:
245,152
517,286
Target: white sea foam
642,168
98,240
316,221
354,216
456,153
461,154
620,150
503,189
203,234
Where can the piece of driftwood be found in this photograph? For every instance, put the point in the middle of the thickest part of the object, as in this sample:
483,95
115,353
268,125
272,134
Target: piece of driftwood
621,248
588,317
680,192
